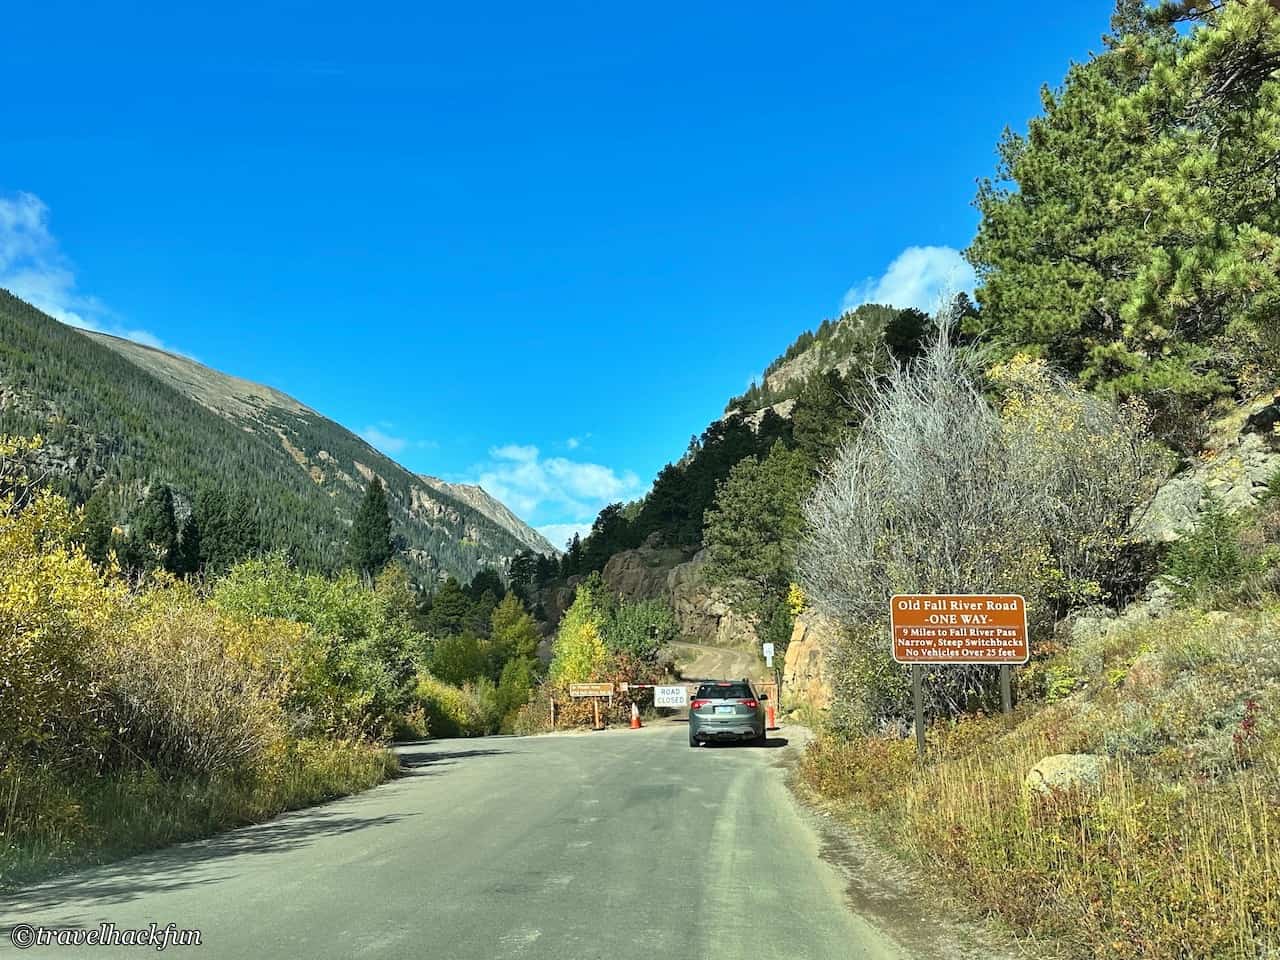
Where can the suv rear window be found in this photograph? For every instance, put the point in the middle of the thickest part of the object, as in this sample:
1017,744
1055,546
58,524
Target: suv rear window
724,691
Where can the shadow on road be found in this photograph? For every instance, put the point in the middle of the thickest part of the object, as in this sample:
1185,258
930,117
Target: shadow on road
176,867
415,759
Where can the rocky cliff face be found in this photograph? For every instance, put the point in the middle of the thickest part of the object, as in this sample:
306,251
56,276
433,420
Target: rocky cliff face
702,611
804,673
642,574
1241,459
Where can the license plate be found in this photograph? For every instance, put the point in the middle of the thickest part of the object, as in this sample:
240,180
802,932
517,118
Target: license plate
724,709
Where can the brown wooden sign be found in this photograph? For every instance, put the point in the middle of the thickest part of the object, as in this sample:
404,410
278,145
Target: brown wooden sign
579,690
959,628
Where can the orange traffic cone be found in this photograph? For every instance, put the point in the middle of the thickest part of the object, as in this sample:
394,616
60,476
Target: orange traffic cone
635,717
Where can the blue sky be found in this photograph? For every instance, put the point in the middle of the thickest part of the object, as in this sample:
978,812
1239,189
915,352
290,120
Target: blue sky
532,245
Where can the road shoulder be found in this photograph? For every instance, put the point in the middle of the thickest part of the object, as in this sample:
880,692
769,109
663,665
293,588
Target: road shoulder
893,895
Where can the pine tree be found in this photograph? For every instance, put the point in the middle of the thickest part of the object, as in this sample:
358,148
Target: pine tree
1131,235
369,546
98,526
449,610
822,417
544,571
754,528
188,553
228,529
156,528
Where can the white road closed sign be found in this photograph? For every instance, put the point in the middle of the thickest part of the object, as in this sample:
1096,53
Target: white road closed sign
671,697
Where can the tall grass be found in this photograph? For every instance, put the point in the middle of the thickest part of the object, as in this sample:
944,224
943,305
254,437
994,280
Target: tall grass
1140,870
53,820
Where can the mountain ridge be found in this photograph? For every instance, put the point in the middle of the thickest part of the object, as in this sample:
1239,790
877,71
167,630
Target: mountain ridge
125,414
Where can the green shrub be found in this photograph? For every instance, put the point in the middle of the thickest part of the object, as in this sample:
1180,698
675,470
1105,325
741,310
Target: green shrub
458,660
514,689
639,629
451,711
365,675
1207,562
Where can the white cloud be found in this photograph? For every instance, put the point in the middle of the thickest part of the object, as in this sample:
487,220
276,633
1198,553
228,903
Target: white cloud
386,442
515,452
532,485
573,443
918,277
559,534
34,268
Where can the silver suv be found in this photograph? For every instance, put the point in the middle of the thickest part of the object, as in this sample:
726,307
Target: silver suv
726,710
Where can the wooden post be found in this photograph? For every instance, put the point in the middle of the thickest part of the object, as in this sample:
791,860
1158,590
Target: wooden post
917,695
595,701
553,714
1006,688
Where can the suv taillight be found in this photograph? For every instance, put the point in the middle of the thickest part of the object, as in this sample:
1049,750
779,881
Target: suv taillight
749,703
698,703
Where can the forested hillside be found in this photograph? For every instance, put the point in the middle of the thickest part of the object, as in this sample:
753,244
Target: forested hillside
118,418
737,488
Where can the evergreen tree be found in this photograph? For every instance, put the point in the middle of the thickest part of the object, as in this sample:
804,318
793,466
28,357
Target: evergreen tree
1132,235
771,430
905,334
486,581
187,558
822,417
754,528
448,611
545,571
228,531
98,526
369,546
571,559
610,534
155,528
523,568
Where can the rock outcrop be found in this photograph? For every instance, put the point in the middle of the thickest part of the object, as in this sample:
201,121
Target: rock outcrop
1092,622
1066,773
804,674
642,574
1242,458
703,612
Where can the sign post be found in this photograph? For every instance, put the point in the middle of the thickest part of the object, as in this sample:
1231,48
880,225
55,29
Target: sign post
768,654
593,691
917,700
958,629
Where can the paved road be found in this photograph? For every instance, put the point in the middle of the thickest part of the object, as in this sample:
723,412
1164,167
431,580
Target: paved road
616,845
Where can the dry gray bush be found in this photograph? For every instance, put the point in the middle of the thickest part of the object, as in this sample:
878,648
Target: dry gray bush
941,493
